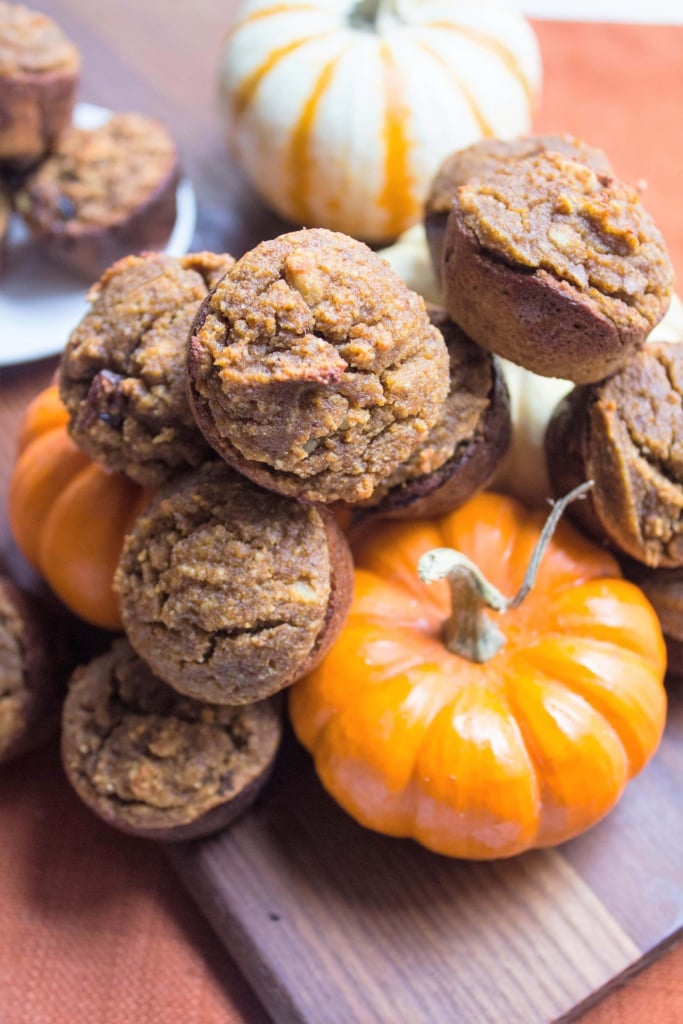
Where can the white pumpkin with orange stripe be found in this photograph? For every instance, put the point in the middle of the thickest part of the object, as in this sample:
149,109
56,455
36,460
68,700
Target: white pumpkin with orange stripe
340,112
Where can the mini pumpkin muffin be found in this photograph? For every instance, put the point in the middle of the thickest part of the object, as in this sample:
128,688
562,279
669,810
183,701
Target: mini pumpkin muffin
626,434
313,369
33,670
484,158
39,71
104,193
556,267
122,375
465,447
230,592
154,763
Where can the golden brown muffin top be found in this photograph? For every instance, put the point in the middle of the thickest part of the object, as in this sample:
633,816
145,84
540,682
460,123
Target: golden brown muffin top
155,758
314,369
553,214
99,176
122,374
225,587
486,157
32,43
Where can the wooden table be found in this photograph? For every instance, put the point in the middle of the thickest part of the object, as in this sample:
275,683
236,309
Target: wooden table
161,59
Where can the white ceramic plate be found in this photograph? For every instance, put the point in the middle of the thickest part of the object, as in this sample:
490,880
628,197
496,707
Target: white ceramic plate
40,303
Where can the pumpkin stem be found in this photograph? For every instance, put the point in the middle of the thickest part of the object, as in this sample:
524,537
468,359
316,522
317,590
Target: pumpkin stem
469,631
367,14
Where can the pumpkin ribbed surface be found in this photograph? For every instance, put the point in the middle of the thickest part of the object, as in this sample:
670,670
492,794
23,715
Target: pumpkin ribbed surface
69,515
341,112
488,760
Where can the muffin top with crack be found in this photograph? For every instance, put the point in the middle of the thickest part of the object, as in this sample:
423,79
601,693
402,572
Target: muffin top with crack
313,369
484,158
487,156
152,762
626,434
230,592
122,375
554,214
556,267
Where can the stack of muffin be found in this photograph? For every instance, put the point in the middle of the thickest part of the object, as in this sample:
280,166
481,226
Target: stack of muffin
88,195
271,398
267,400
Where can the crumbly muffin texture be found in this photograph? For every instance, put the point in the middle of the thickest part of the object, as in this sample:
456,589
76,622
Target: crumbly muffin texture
484,158
35,658
225,588
31,43
313,369
555,267
554,214
122,375
469,398
488,156
97,177
13,691
150,760
626,434
636,455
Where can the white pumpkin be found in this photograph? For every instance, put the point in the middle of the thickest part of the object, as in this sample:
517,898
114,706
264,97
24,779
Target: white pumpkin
340,111
409,258
532,398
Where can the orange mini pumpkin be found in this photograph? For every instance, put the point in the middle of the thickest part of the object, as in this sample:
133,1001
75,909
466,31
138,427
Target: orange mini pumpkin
69,515
530,745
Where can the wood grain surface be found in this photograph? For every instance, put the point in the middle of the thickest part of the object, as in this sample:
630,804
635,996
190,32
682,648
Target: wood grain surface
331,924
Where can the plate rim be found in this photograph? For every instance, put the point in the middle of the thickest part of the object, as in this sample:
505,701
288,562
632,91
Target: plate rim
179,243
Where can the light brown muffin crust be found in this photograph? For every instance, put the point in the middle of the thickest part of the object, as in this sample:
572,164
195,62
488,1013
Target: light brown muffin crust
122,375
555,267
13,686
486,157
157,764
39,70
33,664
313,369
626,434
230,592
32,43
464,448
97,176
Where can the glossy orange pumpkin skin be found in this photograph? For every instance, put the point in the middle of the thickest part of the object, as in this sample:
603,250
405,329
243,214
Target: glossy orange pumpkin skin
69,515
485,761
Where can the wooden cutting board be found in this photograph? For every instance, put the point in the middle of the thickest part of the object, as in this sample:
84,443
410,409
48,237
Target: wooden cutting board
333,924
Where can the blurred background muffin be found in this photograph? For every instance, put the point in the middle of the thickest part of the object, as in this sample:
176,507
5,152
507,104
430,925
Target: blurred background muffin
103,193
39,74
